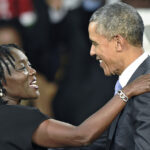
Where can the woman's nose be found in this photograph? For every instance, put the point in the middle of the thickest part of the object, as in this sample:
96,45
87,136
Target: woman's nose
32,71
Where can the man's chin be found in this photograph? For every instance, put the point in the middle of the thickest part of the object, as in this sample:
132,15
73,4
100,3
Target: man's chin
107,73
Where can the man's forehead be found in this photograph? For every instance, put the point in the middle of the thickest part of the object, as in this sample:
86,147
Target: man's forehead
92,25
93,31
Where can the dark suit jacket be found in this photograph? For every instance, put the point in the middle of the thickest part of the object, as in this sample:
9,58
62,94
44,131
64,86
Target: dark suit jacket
131,129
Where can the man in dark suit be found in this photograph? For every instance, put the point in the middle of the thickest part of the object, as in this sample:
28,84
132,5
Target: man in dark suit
116,32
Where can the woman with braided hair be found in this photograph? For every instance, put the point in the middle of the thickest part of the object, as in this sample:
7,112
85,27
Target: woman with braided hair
26,128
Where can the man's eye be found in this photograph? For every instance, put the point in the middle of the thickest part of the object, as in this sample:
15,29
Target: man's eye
94,43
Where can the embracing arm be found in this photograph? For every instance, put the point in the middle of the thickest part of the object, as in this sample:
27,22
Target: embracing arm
53,133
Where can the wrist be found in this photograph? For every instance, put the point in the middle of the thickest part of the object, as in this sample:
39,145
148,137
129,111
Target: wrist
122,95
128,92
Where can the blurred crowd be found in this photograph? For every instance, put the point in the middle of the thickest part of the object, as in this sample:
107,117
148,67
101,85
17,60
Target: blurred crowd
54,35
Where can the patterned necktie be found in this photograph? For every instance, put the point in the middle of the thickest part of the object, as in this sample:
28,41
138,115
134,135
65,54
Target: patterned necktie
117,87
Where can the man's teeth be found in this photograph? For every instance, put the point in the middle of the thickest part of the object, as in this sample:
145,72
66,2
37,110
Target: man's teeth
100,61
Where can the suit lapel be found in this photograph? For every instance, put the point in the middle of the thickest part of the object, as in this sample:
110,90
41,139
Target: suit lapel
113,127
140,70
112,131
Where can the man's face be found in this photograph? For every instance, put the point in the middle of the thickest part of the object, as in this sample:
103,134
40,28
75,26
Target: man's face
104,50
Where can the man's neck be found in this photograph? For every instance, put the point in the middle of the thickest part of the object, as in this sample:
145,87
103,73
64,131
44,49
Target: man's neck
131,55
129,71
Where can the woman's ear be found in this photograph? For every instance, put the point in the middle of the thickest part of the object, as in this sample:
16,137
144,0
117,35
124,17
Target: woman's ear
2,82
3,85
2,89
1,92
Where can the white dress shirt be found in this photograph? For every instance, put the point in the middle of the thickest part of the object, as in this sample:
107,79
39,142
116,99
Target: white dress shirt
128,72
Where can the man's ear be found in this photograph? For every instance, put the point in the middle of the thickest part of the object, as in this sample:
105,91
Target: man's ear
119,41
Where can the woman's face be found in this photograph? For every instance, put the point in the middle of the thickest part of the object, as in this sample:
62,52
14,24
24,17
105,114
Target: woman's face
21,84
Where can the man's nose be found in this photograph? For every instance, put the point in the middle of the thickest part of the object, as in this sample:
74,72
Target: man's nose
92,51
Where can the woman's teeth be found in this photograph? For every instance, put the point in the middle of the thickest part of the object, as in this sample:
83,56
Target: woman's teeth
34,85
34,82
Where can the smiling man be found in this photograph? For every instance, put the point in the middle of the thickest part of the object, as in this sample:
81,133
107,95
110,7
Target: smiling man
116,32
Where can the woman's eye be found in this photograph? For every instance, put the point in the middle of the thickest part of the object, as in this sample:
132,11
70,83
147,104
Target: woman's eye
22,68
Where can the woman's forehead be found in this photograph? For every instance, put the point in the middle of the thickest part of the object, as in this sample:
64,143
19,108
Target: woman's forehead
18,55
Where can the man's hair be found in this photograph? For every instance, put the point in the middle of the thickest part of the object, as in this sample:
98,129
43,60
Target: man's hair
119,19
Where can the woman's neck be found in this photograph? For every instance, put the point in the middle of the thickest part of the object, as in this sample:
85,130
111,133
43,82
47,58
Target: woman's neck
11,100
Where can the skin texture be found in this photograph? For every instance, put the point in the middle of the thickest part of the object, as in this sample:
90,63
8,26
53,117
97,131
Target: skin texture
53,133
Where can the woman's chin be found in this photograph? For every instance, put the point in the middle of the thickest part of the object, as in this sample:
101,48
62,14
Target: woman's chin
36,96
33,96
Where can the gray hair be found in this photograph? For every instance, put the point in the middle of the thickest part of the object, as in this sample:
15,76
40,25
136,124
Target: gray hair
119,19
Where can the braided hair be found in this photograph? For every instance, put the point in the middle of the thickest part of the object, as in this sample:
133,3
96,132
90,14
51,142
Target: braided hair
5,54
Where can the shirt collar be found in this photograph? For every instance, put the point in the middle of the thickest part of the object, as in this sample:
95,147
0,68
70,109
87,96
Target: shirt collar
128,72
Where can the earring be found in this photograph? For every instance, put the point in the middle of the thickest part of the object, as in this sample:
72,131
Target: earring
1,93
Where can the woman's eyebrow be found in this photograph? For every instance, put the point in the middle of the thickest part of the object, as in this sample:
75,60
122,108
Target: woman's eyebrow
23,60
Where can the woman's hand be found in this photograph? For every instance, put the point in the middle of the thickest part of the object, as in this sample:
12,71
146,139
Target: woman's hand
138,86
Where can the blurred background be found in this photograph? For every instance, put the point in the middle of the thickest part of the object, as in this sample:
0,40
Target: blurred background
54,35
